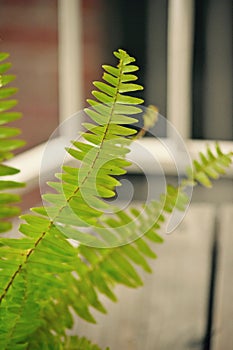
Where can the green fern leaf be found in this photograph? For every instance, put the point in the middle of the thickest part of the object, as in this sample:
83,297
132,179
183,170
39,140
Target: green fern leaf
102,160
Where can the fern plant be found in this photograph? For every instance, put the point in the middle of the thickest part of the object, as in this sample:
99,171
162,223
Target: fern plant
44,278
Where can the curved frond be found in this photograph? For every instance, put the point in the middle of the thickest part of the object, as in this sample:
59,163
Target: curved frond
45,244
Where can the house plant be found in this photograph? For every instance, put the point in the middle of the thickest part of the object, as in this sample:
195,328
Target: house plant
42,274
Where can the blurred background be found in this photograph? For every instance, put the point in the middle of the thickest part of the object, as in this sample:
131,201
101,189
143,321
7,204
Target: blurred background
184,51
30,30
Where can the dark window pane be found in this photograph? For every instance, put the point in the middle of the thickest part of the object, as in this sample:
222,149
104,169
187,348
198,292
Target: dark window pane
140,28
212,70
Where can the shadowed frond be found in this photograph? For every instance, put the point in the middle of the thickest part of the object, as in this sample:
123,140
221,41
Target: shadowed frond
8,143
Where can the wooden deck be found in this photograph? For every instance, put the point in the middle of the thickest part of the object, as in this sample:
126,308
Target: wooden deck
187,302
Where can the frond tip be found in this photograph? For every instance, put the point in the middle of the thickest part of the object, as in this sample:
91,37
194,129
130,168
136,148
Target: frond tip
81,191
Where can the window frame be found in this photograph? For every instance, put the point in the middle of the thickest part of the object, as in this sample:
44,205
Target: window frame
70,93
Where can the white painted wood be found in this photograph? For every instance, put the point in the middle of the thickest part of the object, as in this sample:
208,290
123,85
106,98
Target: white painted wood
179,84
29,162
169,156
169,312
70,60
223,320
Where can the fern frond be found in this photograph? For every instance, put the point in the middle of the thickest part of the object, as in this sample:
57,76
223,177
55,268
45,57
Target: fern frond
210,166
7,145
102,159
44,277
81,191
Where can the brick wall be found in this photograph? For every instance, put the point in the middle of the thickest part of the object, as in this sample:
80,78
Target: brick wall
28,31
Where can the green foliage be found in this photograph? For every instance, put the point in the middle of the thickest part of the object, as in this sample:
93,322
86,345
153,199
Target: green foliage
7,144
43,276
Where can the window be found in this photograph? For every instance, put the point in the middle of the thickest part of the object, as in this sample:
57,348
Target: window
184,51
166,37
